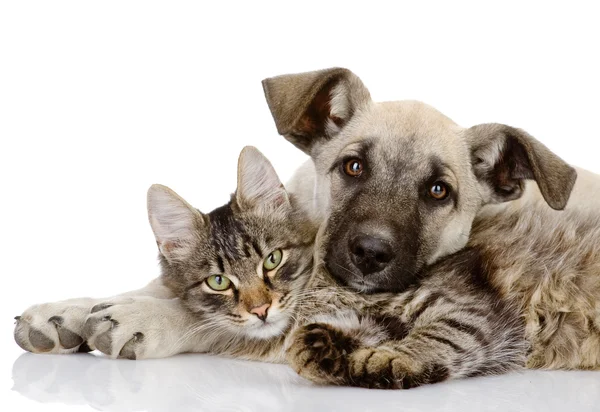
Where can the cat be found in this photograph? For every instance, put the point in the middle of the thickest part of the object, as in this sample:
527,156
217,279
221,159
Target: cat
247,284
230,280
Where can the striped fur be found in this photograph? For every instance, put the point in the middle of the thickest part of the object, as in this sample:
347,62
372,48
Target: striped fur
451,324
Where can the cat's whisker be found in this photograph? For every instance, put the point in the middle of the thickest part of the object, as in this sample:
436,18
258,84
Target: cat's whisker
346,269
204,325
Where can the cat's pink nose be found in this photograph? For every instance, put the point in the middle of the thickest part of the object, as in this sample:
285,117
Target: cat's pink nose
261,311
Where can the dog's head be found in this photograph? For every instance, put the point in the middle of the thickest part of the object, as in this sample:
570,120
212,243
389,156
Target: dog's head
405,181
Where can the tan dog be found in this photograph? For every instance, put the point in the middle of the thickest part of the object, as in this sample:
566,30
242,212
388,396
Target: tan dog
400,186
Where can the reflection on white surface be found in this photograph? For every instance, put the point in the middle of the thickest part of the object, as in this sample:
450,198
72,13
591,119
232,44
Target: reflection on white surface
206,383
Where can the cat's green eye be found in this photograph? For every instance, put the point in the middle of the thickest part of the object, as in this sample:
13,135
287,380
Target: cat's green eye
273,260
218,283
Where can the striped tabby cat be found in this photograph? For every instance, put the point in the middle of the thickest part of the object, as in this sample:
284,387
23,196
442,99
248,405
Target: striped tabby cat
244,272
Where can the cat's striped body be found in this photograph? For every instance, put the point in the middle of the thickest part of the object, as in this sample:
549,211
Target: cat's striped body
450,325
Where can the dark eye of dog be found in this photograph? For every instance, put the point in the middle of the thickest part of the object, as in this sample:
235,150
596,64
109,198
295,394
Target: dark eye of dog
439,191
353,167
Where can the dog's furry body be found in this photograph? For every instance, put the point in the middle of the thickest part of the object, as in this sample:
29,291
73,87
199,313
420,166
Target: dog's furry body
546,262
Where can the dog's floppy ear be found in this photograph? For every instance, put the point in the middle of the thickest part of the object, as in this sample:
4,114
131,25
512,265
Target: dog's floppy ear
503,157
174,222
259,188
308,107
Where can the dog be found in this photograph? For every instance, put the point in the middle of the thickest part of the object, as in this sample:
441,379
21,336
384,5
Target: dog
400,186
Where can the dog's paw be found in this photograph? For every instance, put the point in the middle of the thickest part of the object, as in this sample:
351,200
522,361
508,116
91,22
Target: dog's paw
320,353
53,327
140,328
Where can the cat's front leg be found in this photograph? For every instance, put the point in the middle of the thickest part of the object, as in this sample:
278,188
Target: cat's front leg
326,354
441,349
320,353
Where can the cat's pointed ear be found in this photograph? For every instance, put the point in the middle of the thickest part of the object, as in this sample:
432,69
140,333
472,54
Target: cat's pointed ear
174,222
258,187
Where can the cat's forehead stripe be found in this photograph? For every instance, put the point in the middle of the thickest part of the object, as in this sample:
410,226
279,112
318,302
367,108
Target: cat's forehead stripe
220,264
227,233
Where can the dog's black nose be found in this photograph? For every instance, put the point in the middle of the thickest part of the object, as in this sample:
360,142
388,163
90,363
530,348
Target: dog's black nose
370,254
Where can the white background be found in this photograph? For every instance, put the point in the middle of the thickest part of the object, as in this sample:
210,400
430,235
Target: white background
98,100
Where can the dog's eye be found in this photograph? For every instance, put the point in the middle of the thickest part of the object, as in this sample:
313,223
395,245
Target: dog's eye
353,167
439,191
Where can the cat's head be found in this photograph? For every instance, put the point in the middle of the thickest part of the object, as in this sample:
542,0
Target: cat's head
243,265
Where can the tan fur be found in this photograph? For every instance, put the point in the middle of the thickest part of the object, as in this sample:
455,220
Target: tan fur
549,263
545,261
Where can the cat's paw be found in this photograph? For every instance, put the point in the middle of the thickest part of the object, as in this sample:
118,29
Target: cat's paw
140,328
377,368
320,353
53,327
385,368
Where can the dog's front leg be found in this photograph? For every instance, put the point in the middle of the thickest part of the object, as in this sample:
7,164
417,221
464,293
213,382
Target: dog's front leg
57,327
143,327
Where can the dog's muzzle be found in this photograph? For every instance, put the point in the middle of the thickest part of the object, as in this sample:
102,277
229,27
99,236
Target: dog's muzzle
370,254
